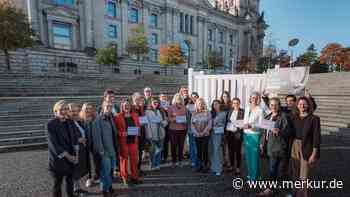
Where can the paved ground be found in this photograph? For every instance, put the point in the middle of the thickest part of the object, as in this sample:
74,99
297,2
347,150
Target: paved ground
24,174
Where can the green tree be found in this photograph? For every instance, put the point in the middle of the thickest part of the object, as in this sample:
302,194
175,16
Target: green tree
137,43
309,58
263,64
107,55
215,60
15,30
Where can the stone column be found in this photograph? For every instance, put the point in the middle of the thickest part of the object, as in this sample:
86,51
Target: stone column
89,12
125,25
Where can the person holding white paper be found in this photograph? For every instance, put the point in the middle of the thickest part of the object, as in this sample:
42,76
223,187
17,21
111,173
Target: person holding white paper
127,122
275,141
234,135
253,115
155,132
219,121
225,101
201,124
191,138
177,129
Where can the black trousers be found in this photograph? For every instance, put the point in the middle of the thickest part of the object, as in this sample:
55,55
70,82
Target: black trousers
166,145
202,144
57,184
97,163
234,141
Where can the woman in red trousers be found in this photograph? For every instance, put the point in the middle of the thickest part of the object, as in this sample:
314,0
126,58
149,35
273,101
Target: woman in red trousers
128,126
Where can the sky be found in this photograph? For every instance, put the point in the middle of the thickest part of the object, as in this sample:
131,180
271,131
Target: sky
311,21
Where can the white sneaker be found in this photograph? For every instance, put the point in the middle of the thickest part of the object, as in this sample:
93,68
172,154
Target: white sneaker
88,183
218,174
177,163
157,168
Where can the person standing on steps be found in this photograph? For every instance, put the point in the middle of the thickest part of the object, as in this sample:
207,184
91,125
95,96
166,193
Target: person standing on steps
105,143
177,113
201,123
62,146
234,135
218,129
128,125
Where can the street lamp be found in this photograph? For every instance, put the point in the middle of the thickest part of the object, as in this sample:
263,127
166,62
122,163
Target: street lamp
292,43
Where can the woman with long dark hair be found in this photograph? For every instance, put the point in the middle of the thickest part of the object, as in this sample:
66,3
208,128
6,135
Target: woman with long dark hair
234,135
306,144
218,128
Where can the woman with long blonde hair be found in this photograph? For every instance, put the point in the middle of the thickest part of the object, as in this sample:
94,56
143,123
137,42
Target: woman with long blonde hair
201,123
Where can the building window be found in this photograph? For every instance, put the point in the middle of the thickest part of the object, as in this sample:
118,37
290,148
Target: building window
153,20
221,51
210,35
231,52
65,2
221,37
181,22
186,23
231,39
154,39
191,24
112,9
112,31
134,15
154,55
62,36
210,47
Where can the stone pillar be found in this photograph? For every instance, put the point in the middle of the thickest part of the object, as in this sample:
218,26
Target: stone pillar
49,33
205,38
124,26
89,12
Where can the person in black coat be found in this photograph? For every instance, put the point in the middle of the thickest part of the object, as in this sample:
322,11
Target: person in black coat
62,146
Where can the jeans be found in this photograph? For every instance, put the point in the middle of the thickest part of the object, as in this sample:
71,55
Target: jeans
193,150
107,163
57,184
156,153
252,154
274,163
216,154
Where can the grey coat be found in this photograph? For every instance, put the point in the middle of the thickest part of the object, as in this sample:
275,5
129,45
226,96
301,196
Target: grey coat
277,146
103,131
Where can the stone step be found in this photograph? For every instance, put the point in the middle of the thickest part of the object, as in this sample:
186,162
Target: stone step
19,134
331,111
15,128
22,140
335,120
334,124
334,107
333,115
23,122
19,147
329,128
25,117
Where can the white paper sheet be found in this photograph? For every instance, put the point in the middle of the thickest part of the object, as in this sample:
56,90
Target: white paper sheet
133,131
180,119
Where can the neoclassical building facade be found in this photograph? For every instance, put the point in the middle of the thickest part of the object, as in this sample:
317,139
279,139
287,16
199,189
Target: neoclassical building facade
234,28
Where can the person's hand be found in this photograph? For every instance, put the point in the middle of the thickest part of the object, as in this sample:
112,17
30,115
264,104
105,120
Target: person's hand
261,149
275,131
312,160
82,140
307,93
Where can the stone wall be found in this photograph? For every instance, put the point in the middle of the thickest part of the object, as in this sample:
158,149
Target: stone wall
51,61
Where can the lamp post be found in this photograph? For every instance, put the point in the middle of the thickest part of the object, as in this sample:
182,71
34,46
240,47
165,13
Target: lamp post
292,43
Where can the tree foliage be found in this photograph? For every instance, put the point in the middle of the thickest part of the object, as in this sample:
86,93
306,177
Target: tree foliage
171,54
336,54
15,30
215,60
137,42
310,57
107,55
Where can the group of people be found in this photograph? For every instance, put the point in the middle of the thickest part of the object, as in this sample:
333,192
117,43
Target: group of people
103,142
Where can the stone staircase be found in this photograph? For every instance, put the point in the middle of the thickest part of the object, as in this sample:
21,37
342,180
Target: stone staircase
332,92
26,100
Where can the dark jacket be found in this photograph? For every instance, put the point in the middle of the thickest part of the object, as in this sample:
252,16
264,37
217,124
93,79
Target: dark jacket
311,134
277,146
240,116
61,138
